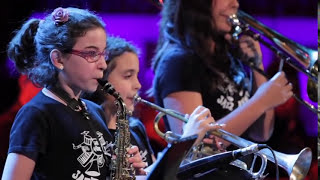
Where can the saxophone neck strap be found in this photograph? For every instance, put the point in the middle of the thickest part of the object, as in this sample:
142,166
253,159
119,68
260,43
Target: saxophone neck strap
78,106
74,104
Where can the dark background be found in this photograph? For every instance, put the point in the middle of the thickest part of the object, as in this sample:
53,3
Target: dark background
291,133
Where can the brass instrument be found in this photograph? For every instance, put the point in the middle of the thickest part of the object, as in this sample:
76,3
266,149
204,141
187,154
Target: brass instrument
297,165
299,57
120,168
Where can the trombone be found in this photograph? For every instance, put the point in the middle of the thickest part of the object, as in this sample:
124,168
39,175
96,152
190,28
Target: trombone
296,165
297,56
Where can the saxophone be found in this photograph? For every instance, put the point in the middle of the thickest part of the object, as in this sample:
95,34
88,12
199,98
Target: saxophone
120,168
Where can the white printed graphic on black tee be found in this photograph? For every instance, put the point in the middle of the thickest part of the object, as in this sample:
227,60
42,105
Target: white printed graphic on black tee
245,97
144,156
231,97
91,157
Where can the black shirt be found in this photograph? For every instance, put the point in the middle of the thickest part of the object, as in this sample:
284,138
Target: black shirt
182,70
61,141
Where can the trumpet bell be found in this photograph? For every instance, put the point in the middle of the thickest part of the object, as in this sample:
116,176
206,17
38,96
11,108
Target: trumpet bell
296,165
301,167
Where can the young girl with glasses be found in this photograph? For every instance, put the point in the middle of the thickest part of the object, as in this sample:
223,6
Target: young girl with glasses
58,135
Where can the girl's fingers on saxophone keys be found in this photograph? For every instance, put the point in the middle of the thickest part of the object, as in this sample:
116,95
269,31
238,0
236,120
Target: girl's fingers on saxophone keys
133,150
138,165
137,162
135,157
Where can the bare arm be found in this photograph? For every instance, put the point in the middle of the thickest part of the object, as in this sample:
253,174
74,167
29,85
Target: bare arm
236,122
270,94
18,167
263,128
184,102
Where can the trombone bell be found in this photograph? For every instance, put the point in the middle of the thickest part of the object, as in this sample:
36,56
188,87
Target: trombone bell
297,56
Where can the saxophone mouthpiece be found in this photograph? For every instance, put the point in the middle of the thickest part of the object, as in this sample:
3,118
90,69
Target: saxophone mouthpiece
106,87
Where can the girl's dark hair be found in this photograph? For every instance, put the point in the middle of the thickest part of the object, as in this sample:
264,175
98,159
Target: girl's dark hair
189,24
116,46
31,46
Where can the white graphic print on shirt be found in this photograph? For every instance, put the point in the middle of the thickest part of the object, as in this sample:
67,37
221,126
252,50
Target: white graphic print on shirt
226,99
92,155
244,98
143,155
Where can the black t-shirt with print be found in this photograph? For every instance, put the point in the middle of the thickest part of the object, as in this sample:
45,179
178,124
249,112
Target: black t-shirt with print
181,70
61,141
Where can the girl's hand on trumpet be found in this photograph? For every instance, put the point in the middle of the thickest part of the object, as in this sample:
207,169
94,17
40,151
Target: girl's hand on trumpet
199,122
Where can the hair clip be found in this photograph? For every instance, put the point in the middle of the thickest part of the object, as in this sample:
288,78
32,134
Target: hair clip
60,16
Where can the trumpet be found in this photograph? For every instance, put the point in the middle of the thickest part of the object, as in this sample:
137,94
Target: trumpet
297,56
296,165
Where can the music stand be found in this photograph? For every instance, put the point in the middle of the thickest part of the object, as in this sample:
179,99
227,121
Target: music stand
166,166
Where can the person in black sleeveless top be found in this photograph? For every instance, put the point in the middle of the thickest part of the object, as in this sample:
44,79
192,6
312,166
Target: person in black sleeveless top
57,135
196,63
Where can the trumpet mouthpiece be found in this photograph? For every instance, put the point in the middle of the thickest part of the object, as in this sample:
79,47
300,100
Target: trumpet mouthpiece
136,98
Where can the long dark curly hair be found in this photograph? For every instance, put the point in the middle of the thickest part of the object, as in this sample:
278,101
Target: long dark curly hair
189,24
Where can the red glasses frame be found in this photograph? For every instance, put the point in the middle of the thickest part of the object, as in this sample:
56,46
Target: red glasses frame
90,56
